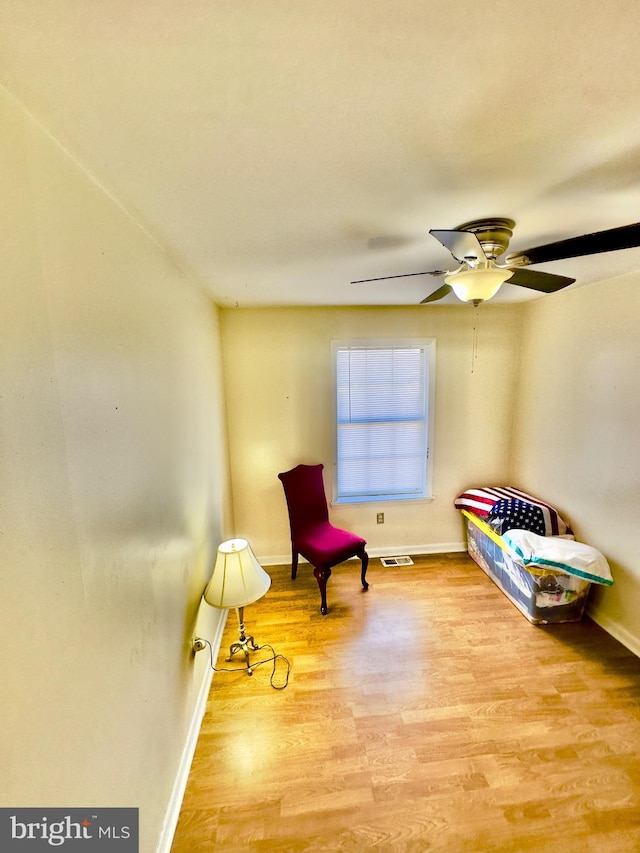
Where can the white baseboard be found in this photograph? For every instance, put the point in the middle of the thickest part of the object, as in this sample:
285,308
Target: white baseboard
410,550
623,635
179,786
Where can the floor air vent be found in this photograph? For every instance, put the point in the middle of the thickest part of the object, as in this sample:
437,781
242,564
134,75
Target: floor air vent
396,561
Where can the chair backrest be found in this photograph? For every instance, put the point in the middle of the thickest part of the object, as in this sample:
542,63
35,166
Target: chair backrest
306,499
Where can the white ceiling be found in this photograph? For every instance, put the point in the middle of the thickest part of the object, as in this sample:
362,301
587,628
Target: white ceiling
281,148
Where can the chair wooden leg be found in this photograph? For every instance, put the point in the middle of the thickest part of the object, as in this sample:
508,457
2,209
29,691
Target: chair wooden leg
294,564
322,575
365,563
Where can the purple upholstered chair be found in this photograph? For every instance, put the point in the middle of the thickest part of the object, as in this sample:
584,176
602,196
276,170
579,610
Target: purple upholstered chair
312,535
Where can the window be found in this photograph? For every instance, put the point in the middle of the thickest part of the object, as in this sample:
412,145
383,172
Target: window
384,416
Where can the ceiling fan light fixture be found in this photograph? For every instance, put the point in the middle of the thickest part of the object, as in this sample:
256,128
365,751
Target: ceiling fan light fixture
478,284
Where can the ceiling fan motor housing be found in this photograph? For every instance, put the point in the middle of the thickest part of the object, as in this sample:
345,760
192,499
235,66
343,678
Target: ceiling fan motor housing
493,234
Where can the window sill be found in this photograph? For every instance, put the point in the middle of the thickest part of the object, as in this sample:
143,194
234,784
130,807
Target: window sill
382,500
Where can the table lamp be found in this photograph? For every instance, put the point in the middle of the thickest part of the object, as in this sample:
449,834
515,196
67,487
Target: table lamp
238,579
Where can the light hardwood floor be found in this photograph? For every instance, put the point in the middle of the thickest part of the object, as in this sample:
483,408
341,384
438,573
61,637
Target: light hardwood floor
426,714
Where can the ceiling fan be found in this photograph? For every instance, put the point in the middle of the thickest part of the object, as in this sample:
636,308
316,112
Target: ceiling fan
479,247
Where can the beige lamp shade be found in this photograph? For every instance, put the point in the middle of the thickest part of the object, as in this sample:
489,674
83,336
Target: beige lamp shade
238,578
479,284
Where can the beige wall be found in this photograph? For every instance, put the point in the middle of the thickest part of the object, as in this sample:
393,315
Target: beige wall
552,405
278,376
576,431
112,491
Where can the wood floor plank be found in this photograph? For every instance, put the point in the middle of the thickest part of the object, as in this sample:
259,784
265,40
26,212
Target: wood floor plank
423,715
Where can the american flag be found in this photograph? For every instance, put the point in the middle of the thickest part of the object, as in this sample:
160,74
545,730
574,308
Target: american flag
482,500
512,512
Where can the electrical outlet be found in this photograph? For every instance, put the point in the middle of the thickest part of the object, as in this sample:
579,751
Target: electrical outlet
197,644
380,518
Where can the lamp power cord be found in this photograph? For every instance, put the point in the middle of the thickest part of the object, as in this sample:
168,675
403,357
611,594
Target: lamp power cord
274,658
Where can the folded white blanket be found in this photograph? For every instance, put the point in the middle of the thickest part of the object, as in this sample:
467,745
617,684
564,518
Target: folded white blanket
554,552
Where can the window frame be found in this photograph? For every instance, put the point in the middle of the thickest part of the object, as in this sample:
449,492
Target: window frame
428,345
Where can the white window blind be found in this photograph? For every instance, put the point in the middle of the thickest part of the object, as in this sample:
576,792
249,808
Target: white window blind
382,421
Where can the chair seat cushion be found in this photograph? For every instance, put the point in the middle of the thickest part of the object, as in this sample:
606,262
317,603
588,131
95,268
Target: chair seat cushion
324,544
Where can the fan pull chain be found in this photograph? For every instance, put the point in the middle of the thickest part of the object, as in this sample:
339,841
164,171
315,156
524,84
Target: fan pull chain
474,348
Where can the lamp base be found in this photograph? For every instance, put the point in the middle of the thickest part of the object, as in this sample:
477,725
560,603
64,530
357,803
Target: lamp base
245,644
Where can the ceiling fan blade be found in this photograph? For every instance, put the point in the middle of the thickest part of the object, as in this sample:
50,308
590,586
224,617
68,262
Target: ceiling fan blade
401,275
440,293
545,282
625,237
461,244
